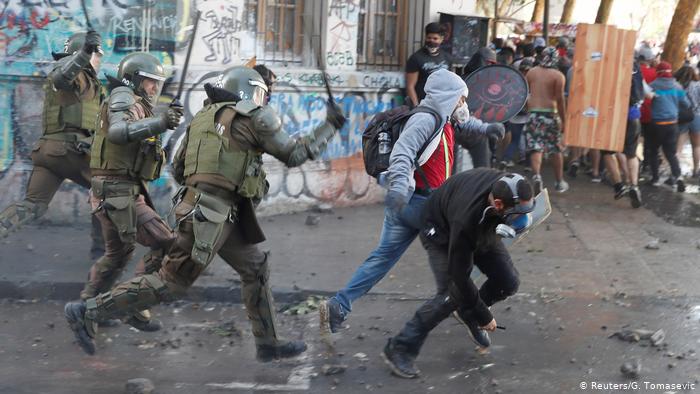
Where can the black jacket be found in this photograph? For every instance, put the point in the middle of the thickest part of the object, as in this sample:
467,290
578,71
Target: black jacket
452,215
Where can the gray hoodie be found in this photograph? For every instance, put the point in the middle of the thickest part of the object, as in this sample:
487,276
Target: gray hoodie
443,90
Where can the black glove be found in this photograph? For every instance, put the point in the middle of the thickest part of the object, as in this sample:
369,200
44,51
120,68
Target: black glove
173,116
92,41
334,115
495,131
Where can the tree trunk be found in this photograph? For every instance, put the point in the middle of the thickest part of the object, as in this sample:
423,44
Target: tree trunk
538,12
503,7
677,36
603,11
568,11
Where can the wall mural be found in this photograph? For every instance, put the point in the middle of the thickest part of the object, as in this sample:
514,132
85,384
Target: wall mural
31,29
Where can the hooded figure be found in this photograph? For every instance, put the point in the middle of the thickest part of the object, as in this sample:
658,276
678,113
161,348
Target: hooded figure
409,189
444,91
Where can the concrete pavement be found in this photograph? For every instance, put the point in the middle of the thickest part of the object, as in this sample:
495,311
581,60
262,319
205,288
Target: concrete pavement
585,275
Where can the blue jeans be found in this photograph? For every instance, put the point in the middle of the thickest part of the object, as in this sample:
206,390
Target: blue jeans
398,231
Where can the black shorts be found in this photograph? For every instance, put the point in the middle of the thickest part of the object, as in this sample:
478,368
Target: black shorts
631,139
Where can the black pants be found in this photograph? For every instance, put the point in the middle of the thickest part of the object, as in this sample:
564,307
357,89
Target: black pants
665,137
503,281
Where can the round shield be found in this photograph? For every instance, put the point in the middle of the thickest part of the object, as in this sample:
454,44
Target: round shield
496,93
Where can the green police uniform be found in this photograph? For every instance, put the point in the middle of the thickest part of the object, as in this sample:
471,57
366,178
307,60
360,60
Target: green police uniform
126,153
73,95
221,165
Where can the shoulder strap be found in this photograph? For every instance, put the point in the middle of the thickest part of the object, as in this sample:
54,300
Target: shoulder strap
438,127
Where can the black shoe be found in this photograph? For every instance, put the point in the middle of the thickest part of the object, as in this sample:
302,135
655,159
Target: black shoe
479,336
75,314
284,349
400,362
635,196
573,169
150,325
330,316
680,185
621,190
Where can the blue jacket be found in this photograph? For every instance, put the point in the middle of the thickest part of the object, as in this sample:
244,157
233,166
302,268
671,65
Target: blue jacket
668,97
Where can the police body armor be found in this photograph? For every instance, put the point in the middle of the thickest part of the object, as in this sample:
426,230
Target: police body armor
140,160
211,150
64,110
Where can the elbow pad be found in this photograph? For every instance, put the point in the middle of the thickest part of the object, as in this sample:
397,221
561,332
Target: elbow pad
123,132
317,142
68,70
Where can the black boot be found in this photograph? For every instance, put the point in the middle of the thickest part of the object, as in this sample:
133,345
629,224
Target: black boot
400,362
150,325
283,349
479,336
75,314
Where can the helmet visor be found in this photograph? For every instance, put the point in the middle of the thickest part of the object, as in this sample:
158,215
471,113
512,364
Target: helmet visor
150,86
259,92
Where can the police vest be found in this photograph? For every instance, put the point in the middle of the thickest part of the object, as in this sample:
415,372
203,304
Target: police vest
137,159
211,149
65,109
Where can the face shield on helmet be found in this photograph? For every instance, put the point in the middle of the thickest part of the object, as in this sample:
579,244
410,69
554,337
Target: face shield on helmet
259,93
149,86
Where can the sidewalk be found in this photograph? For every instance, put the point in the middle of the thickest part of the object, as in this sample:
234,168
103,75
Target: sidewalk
591,244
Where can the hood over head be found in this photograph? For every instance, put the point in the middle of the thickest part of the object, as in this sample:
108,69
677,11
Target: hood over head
443,89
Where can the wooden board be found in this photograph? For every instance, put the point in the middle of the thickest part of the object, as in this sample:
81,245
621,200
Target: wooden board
596,113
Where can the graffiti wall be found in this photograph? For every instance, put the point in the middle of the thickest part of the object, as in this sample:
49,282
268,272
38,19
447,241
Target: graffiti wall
31,29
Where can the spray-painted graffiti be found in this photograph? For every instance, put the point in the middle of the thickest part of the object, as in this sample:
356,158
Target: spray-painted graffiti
222,33
31,29
341,41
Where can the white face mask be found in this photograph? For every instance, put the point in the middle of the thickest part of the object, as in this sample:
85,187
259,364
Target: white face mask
461,113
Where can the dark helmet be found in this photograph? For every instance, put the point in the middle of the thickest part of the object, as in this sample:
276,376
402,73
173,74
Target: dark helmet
137,67
244,82
75,43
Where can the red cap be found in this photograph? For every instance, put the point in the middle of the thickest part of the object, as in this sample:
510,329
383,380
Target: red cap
664,69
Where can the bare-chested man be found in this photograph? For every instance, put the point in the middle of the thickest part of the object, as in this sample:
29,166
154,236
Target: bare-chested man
545,124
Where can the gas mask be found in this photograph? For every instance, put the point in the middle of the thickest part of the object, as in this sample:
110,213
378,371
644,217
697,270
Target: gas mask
432,47
461,113
518,218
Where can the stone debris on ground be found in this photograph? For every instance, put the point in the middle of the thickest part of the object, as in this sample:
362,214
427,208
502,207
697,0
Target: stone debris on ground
655,338
361,356
313,220
139,386
652,245
631,369
333,369
227,329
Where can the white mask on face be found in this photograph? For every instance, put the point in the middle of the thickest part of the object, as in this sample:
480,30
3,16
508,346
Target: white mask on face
461,113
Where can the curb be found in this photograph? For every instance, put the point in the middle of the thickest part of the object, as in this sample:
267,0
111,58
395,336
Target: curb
66,291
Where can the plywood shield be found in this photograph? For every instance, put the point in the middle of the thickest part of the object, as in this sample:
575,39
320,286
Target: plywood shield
596,114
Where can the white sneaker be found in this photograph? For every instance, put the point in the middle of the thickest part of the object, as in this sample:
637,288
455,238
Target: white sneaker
561,186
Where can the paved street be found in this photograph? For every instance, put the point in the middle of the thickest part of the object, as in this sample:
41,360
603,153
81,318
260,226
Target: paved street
586,274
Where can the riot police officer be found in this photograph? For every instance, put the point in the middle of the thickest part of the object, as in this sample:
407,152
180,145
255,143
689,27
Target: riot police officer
223,176
126,153
73,94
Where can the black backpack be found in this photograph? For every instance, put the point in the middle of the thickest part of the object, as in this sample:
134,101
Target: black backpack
383,131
